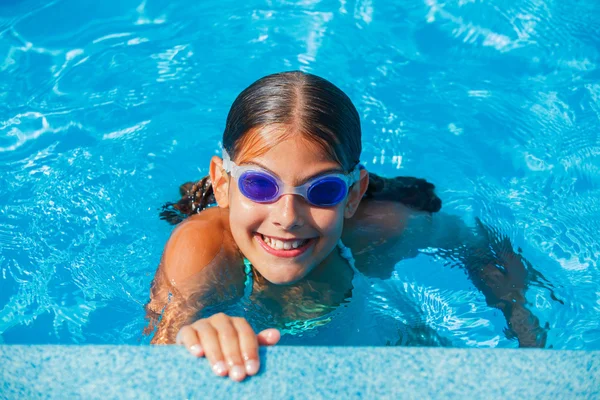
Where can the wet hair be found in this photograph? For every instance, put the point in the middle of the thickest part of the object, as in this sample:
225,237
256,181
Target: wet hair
281,105
293,103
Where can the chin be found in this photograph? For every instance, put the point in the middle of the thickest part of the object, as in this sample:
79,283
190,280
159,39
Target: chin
284,279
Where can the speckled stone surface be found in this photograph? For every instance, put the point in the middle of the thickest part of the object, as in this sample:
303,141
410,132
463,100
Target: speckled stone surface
107,372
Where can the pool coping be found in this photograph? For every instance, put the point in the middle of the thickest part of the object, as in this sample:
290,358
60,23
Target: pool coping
288,372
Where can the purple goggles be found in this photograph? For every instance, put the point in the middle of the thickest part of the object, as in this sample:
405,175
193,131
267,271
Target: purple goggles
262,187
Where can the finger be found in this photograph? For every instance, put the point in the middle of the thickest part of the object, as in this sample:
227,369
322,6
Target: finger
248,345
188,338
269,337
210,344
230,346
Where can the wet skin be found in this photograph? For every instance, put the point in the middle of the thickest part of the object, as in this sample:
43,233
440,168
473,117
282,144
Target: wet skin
374,237
202,263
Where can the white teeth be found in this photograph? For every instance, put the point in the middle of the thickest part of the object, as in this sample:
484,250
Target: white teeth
281,245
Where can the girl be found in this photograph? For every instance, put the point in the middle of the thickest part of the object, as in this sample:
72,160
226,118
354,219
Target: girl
290,197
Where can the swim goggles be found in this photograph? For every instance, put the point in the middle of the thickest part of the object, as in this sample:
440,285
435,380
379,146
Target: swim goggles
261,186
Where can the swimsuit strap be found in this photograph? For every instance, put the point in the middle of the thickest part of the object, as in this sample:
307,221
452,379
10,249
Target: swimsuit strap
248,281
347,255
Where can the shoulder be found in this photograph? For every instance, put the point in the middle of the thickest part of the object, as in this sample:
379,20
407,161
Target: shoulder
379,222
382,214
194,244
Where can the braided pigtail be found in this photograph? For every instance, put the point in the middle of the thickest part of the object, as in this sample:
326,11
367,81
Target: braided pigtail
195,197
413,192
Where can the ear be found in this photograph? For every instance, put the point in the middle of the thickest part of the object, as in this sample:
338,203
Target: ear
220,182
356,194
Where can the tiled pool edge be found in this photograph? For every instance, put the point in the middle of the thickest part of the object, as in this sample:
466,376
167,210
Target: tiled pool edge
298,372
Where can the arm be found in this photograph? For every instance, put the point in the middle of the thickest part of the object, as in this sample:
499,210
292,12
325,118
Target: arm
488,258
384,232
197,269
200,267
501,275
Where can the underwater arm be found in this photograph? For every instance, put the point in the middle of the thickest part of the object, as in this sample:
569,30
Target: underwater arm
167,310
384,232
501,275
383,221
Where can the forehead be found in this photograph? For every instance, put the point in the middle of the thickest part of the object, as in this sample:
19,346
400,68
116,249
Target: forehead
283,144
296,153
296,161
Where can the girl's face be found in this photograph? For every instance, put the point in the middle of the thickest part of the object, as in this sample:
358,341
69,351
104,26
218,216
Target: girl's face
261,229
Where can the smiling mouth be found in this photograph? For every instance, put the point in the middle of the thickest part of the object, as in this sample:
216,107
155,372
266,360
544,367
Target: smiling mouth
278,244
284,248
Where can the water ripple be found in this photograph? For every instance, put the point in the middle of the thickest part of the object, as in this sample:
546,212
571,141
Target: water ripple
106,108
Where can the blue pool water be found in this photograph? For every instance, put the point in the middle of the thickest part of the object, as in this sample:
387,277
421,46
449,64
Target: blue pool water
106,107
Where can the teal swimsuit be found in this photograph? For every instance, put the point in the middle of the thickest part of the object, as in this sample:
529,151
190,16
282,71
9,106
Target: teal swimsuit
299,327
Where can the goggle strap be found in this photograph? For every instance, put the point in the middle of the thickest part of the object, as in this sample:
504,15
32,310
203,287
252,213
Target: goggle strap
227,163
355,175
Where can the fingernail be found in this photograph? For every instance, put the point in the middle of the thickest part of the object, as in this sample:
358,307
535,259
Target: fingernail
219,368
236,373
273,334
196,349
251,367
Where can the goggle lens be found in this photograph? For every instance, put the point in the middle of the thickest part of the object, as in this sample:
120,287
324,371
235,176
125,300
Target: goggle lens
258,187
263,188
327,192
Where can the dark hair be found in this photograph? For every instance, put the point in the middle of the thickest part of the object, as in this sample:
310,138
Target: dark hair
302,104
296,103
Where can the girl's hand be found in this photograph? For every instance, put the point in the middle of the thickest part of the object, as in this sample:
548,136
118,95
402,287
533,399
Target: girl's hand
229,343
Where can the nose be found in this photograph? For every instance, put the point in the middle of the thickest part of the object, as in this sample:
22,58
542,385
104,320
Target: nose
287,212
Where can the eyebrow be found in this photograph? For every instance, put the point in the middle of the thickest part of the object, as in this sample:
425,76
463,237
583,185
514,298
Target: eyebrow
303,180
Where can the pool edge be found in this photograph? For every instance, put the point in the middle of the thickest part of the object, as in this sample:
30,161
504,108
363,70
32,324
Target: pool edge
119,371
